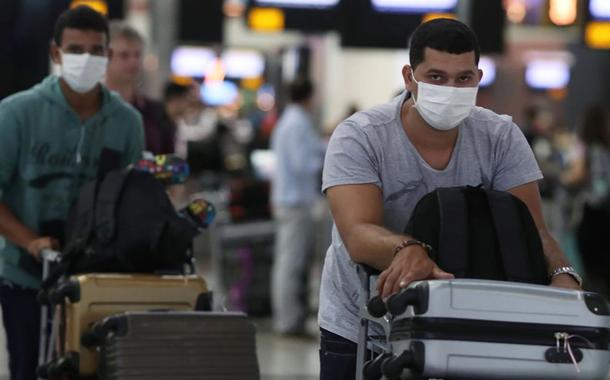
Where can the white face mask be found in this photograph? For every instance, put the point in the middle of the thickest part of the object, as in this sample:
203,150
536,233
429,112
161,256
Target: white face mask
444,107
82,71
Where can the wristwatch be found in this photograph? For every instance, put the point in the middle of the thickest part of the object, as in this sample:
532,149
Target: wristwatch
570,271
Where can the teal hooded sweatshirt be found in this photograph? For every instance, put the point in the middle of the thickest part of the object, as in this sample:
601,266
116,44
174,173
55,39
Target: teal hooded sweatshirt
47,153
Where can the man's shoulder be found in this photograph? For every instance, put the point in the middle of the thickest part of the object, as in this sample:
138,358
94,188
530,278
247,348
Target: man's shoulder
22,101
374,117
119,108
483,121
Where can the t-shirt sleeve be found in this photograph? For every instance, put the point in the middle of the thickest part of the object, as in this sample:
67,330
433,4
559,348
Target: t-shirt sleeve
515,161
9,146
350,158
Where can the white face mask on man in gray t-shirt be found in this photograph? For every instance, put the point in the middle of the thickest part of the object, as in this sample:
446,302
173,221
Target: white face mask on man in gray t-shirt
371,147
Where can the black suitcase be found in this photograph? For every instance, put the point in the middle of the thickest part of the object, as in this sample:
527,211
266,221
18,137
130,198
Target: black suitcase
177,345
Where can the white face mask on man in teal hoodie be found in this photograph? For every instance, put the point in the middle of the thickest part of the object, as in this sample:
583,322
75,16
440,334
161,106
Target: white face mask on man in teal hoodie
47,152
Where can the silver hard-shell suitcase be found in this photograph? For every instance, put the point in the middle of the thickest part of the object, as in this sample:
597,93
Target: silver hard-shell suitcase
481,329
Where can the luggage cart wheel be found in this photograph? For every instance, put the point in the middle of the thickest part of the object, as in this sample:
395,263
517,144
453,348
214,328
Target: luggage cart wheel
376,307
372,368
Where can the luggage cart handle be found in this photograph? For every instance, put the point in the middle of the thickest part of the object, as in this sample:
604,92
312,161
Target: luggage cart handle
49,255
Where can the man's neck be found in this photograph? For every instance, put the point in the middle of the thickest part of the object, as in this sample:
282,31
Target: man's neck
86,104
421,134
127,90
435,147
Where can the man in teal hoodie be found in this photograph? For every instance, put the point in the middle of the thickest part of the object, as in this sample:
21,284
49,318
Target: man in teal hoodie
51,142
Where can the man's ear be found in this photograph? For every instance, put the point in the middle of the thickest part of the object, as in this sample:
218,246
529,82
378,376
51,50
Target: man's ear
407,72
55,53
480,74
110,53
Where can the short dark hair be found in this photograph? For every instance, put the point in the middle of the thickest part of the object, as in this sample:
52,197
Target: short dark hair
443,34
300,90
82,18
173,90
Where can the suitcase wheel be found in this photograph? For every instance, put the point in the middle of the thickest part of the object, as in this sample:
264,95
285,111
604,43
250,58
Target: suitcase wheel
68,289
63,367
372,368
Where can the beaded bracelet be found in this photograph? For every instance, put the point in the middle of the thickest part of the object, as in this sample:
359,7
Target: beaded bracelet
405,243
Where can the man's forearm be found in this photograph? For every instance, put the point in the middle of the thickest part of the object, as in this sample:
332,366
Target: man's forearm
555,258
13,230
372,245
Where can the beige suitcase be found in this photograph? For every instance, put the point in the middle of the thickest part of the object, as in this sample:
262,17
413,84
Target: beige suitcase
92,297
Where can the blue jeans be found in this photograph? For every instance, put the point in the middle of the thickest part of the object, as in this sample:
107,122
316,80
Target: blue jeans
337,357
21,318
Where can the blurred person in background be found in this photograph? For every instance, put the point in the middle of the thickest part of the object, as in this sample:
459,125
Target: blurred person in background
593,230
295,190
124,75
54,137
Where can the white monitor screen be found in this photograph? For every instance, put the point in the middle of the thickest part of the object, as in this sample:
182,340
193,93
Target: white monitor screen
488,66
243,63
414,6
600,9
547,74
264,163
219,93
191,61
298,3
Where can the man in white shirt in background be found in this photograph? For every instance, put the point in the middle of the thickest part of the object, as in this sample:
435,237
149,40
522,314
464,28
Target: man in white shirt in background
295,189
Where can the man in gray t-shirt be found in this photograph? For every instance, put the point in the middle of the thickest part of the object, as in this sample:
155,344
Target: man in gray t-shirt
380,162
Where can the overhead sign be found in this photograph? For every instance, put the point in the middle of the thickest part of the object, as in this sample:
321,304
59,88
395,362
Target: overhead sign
414,6
298,3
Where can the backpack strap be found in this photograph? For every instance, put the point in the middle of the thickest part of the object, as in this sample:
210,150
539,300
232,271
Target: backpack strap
84,218
453,234
511,239
108,197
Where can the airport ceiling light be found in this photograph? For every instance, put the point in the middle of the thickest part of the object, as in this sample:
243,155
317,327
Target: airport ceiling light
563,12
600,9
266,20
597,35
99,6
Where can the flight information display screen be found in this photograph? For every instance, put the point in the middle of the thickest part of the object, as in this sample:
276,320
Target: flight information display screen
297,3
414,6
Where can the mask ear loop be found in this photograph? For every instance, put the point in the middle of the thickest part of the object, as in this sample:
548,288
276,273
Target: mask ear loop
417,83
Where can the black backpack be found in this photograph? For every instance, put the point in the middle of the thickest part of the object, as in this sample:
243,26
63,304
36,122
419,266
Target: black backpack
480,233
125,222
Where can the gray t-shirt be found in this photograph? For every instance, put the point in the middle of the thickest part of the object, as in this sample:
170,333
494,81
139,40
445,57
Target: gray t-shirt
372,147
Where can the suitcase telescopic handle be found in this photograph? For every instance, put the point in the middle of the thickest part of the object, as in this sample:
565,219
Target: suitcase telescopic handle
376,307
398,303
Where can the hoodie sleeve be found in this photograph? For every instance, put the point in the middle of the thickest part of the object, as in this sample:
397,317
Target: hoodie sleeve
9,146
135,140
